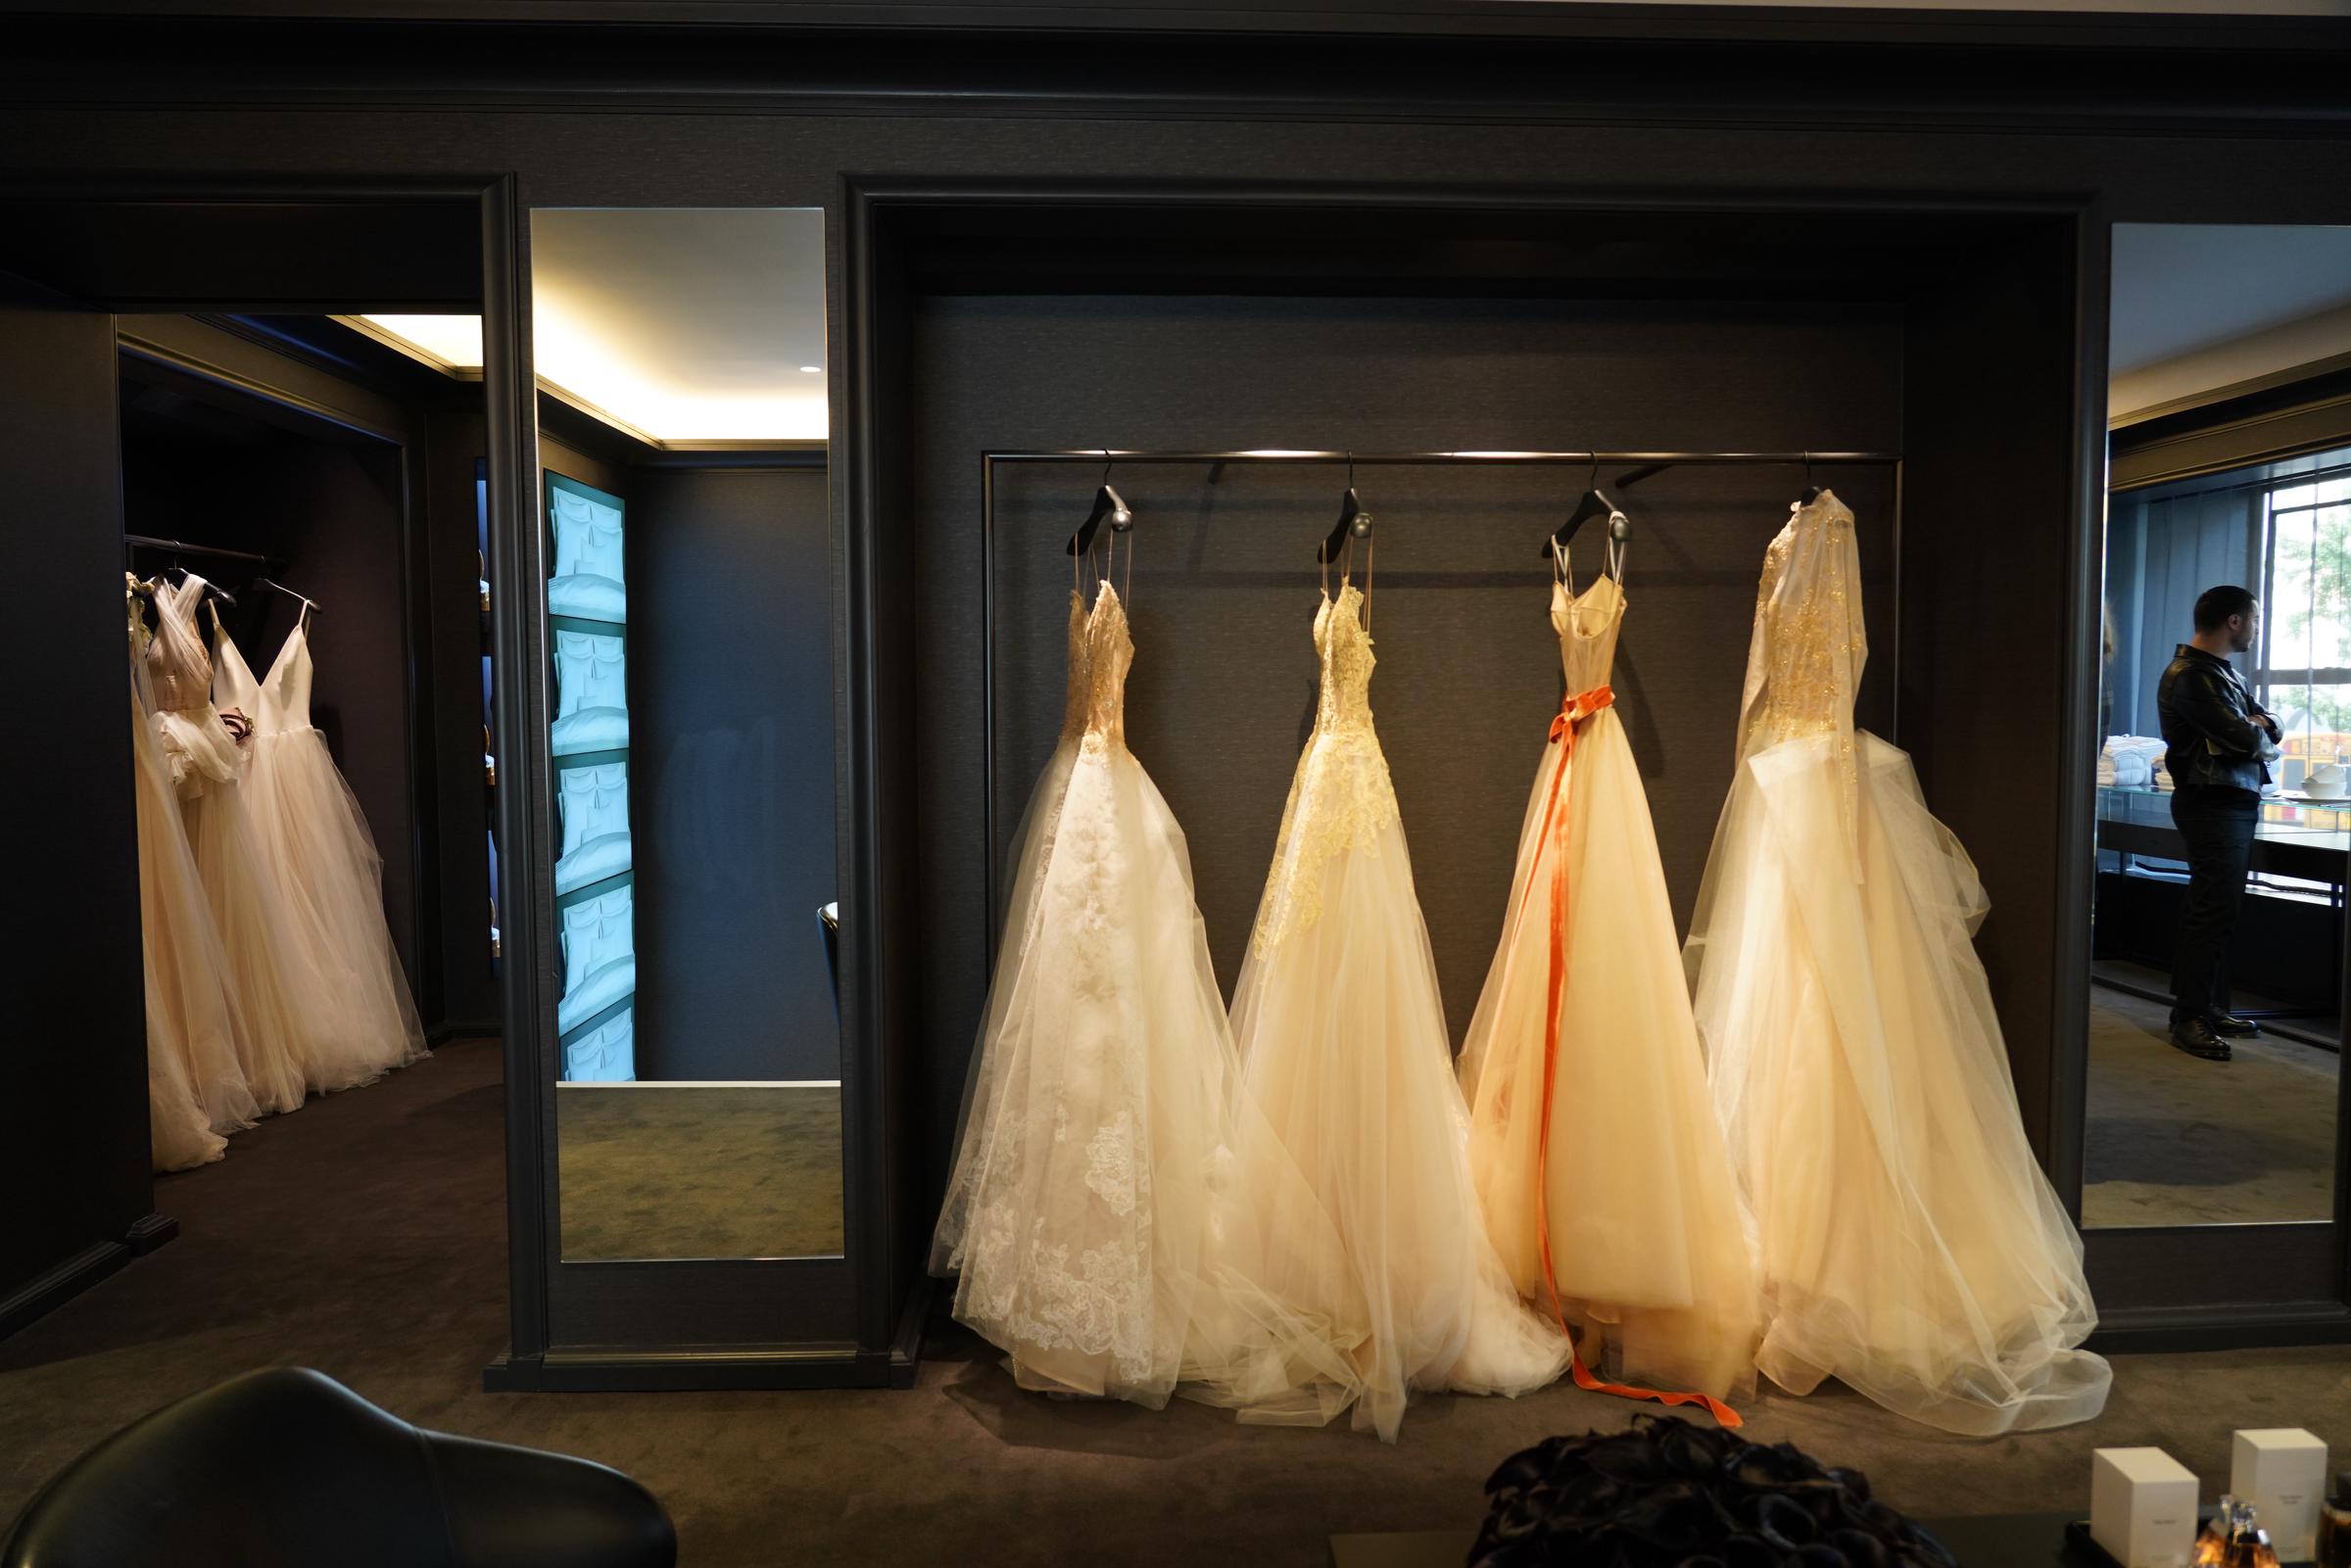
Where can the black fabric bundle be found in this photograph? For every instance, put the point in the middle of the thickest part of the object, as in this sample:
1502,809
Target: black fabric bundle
1670,1494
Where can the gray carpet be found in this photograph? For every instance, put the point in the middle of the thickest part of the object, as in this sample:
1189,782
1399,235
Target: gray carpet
365,1236
699,1170
2172,1140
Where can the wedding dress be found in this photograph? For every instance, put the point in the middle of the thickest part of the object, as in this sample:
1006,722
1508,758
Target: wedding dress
1343,1040
196,1089
1597,1158
206,762
316,851
1909,1243
1093,1215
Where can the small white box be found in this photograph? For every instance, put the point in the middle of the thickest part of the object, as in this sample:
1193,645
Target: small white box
2142,1508
2282,1470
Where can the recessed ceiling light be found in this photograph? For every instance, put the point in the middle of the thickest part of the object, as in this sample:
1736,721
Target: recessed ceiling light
811,369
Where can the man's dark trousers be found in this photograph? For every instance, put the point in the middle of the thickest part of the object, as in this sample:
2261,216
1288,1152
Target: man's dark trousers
2218,824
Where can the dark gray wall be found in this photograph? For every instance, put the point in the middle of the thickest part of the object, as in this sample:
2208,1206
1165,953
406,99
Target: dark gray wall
74,1164
1224,586
731,763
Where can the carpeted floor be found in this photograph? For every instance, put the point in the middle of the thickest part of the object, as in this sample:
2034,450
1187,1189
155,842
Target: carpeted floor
699,1170
2172,1140
365,1236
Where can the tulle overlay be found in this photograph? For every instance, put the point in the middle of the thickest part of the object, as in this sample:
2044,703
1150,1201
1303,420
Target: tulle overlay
1646,1244
196,1090
1092,1216
313,849
1909,1243
1347,1055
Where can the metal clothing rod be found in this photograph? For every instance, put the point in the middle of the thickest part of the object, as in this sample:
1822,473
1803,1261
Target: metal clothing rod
1275,455
217,553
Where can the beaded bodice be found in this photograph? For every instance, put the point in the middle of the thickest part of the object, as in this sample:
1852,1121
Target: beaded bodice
1344,699
179,668
1587,624
1341,798
1101,651
1808,648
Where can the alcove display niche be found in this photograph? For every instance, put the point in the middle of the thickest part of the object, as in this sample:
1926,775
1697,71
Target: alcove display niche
1002,319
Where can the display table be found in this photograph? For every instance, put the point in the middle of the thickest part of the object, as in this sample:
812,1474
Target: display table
2297,836
1985,1541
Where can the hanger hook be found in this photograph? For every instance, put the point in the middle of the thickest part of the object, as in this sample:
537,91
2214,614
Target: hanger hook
1592,480
1350,468
1107,465
1807,470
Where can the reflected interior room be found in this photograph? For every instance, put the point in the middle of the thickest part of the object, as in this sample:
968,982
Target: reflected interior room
1342,784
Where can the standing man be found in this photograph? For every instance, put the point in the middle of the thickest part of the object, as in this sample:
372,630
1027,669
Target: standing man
2218,743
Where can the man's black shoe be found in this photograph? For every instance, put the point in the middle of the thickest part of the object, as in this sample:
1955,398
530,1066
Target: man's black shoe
2229,1023
2196,1037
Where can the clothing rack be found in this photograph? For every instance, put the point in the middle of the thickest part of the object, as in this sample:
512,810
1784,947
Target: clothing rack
184,547
1648,462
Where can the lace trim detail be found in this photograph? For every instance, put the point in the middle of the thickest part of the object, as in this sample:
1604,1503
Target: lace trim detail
1113,1174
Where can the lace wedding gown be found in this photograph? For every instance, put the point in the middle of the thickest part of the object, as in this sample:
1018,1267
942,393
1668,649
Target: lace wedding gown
1344,1043
196,1089
206,762
1092,1216
315,849
1597,1158
1909,1243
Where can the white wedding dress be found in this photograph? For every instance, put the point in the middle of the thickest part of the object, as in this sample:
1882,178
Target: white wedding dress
206,761
1909,1244
1093,1216
196,1089
1343,1040
1597,1158
314,850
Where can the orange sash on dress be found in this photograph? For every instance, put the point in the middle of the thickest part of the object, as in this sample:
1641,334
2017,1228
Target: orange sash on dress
1573,711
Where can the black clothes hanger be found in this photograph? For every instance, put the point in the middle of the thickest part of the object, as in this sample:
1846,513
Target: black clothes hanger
1592,504
1353,519
1812,491
1107,504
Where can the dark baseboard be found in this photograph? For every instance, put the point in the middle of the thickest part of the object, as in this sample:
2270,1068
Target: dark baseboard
907,1346
462,1030
149,1232
46,1292
2226,1327
633,1371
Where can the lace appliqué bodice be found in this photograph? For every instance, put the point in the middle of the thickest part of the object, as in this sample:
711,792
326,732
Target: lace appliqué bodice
1341,796
1810,645
1109,655
1587,624
179,667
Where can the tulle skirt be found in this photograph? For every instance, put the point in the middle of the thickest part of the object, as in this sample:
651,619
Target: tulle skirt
1093,1216
322,864
253,922
1648,1246
196,1089
1347,1057
1909,1243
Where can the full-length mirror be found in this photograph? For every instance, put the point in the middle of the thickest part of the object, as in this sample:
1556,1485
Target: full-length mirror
2221,809
680,357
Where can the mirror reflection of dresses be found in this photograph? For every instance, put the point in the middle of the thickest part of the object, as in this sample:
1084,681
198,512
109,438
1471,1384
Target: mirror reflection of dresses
1909,1243
1346,1051
1092,1217
320,860
207,764
1598,1161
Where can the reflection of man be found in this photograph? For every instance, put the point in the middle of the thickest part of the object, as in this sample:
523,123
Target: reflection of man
2217,743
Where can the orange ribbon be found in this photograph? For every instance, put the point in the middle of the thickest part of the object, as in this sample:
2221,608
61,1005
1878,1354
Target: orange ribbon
1564,729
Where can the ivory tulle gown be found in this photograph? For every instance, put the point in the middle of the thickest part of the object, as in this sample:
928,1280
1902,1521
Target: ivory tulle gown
1092,1216
1344,1042
196,1088
206,763
1602,1170
318,854
1909,1243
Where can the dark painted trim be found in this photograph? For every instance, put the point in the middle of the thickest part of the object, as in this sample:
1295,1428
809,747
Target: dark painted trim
2226,1327
656,1371
149,1232
46,1292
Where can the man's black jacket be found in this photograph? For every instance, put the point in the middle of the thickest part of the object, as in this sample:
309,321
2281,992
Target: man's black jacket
2212,731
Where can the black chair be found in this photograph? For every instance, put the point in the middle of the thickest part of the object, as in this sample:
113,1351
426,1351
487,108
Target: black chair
287,1468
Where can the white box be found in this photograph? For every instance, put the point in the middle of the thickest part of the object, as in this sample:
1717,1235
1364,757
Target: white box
2142,1508
2282,1470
